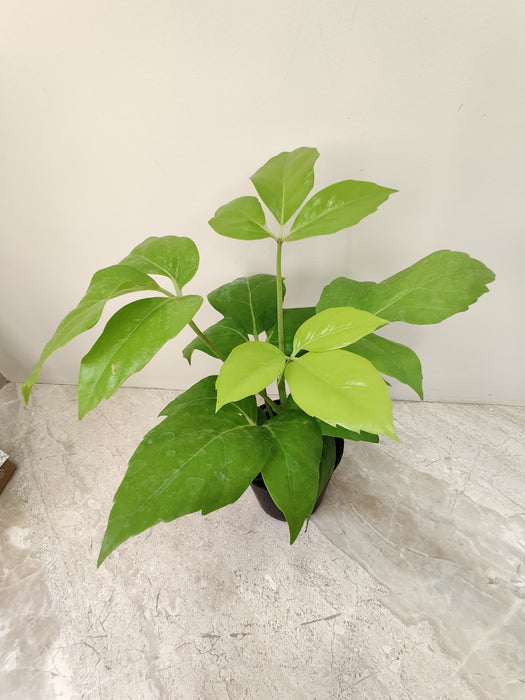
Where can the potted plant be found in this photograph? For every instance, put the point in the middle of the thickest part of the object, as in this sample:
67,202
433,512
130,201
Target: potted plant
328,361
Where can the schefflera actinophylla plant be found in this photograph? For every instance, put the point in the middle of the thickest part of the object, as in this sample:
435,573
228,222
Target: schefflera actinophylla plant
328,361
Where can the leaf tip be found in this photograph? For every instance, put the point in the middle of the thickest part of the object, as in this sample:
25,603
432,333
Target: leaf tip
106,548
103,555
392,434
294,533
26,391
83,407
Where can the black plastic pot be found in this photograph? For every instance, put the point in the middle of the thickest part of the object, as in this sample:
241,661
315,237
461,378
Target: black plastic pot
265,500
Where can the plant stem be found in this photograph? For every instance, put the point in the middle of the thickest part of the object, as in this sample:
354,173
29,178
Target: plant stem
205,340
280,323
243,413
280,316
270,405
218,354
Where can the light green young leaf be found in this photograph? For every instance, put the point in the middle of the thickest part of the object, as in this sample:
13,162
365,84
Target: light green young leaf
175,257
185,464
225,335
441,284
283,183
341,389
106,284
336,430
392,359
335,328
242,218
247,370
337,207
202,398
251,301
128,342
291,472
292,319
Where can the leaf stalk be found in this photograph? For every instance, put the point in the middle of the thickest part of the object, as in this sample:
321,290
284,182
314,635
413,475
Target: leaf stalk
280,316
206,341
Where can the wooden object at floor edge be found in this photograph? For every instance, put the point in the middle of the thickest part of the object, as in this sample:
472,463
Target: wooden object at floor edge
7,469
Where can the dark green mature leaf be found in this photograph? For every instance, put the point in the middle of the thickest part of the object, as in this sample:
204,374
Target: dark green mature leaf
202,398
337,207
106,284
327,463
251,301
248,369
292,319
175,257
342,389
438,286
291,472
199,398
128,342
344,292
187,463
429,291
392,359
283,183
225,335
334,328
243,218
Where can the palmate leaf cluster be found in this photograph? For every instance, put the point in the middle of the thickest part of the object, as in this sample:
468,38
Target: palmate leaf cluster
329,361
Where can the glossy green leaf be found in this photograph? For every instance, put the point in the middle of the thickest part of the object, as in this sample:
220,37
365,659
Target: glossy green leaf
292,319
291,472
337,207
392,359
199,398
106,284
327,463
243,218
335,328
202,398
248,369
441,284
342,389
283,183
185,464
128,342
336,430
344,292
251,301
438,286
175,257
225,335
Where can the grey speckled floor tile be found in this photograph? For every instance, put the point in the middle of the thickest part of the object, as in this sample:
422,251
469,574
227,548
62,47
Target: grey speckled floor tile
409,582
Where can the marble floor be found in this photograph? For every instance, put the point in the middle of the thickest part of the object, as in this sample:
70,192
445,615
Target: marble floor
409,583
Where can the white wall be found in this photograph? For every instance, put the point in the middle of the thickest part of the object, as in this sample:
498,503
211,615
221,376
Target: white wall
122,119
